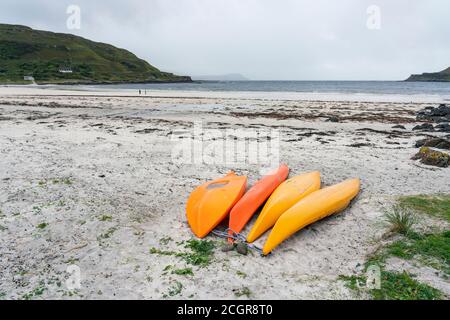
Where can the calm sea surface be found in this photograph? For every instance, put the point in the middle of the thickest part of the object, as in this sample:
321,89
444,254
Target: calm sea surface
347,87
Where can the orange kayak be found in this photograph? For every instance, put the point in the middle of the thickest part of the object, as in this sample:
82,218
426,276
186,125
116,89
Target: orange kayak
246,207
211,202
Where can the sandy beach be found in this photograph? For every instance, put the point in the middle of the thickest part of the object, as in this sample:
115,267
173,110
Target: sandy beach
87,179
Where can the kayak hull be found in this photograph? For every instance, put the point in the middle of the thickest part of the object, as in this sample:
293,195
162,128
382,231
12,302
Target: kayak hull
246,207
285,196
211,202
310,209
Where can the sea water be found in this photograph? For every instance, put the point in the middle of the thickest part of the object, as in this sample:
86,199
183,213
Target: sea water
313,90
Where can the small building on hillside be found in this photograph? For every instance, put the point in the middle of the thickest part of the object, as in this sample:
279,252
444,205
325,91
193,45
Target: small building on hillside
65,70
28,78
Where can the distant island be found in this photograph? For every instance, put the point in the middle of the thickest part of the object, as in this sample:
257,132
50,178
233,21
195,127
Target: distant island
28,55
443,76
223,77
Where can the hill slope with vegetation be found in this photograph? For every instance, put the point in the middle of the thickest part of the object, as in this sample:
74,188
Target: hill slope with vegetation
442,76
42,54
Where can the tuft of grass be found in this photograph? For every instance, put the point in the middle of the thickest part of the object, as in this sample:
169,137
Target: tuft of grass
37,209
245,291
164,253
42,225
174,290
437,205
183,272
65,181
165,240
401,286
201,252
107,234
353,282
400,220
105,218
72,260
241,274
36,292
168,267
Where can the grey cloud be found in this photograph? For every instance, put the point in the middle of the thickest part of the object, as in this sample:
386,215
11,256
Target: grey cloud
262,39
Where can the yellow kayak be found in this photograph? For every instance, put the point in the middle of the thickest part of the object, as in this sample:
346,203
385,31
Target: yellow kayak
310,209
285,196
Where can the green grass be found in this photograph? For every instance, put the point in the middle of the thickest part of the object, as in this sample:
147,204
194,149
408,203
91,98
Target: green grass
164,252
353,282
183,272
105,218
36,292
66,181
200,254
401,286
400,220
437,206
174,290
107,234
433,249
24,51
394,286
165,240
245,291
168,267
72,260
42,225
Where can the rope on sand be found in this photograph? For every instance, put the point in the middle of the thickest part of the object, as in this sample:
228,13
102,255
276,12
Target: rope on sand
228,233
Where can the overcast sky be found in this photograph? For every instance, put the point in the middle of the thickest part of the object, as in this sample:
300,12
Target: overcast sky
261,39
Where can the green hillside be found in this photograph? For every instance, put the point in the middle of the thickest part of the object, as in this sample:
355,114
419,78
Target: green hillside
442,76
41,54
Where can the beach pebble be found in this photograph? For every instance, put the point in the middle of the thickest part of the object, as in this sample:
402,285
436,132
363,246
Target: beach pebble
227,247
242,248
434,143
424,127
333,119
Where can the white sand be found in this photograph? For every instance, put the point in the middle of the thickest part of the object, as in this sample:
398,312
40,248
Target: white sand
57,145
